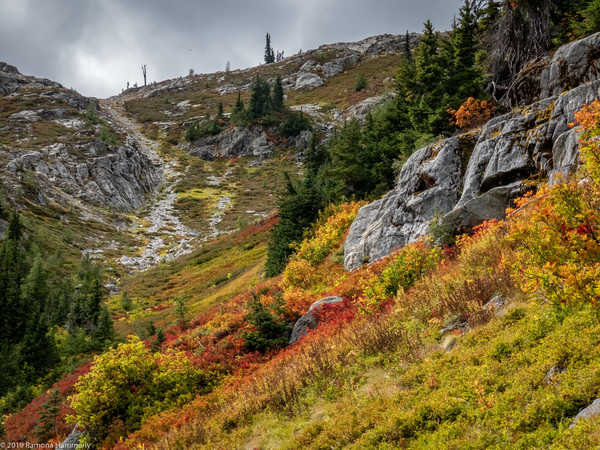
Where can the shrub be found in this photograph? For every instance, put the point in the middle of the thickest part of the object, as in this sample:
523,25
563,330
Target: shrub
294,124
271,330
129,383
361,83
408,266
196,131
472,113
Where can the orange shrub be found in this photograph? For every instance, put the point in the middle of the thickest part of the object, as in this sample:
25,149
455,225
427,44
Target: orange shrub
472,113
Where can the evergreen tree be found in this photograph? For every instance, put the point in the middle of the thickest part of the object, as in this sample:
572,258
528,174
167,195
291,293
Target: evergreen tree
39,350
14,228
238,115
407,53
260,99
103,332
269,53
298,209
158,340
278,94
46,427
220,110
467,79
272,331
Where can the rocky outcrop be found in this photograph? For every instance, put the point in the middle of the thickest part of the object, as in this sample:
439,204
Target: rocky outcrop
232,142
308,80
310,320
339,65
11,80
573,64
119,177
534,141
428,184
72,440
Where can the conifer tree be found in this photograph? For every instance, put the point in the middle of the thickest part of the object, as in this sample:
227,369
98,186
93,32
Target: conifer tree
407,52
46,427
278,94
269,53
466,78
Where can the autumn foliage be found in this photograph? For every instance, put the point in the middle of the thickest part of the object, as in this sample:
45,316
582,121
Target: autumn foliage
472,113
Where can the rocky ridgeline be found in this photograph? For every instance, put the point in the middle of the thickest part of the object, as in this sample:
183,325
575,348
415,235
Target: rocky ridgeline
72,165
474,177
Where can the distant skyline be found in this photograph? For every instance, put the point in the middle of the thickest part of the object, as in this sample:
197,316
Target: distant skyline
96,46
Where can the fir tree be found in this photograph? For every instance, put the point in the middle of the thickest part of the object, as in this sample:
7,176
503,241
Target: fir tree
407,53
46,427
220,110
467,80
269,53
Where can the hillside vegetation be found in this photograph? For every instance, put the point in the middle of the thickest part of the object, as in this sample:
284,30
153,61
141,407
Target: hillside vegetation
255,196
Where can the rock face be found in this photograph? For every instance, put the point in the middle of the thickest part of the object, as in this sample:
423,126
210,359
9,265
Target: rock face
509,149
119,177
72,440
233,142
310,320
429,183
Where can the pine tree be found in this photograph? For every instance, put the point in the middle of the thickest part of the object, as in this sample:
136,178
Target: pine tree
220,110
278,94
46,427
158,340
104,331
269,53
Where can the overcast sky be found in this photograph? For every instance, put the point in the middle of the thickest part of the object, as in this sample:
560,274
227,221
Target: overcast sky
95,46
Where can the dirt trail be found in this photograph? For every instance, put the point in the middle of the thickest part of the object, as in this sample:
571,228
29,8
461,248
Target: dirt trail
167,236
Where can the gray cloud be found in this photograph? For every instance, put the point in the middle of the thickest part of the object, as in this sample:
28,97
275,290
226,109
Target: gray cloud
95,46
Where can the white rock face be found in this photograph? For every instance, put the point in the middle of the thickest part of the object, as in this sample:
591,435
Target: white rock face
308,80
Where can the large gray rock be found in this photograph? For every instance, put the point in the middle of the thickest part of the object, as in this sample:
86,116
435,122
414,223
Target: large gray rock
428,184
588,412
232,142
572,64
72,440
11,80
339,65
310,320
308,80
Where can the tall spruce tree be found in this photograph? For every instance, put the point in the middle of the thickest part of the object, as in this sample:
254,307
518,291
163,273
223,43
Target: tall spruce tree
269,53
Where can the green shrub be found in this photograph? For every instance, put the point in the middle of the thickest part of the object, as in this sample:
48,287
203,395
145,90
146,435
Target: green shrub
271,330
196,131
361,83
294,124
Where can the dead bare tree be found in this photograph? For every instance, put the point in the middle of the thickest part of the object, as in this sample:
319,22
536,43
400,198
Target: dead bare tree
144,70
521,34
